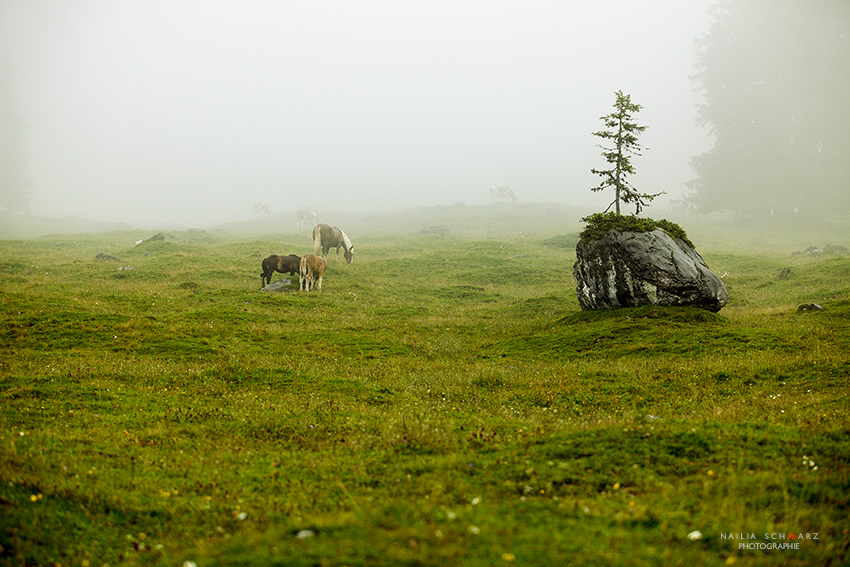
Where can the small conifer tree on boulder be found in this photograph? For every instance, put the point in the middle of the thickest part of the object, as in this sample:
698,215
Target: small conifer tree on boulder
622,135
626,261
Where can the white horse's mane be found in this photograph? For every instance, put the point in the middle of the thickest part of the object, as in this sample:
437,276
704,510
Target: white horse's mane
345,239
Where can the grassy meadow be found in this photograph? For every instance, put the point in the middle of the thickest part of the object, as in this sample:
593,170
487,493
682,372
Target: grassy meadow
442,401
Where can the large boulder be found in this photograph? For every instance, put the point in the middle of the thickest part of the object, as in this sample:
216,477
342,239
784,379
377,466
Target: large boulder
625,269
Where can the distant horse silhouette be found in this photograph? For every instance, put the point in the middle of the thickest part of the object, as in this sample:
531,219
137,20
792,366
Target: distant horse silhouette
260,209
502,193
282,264
311,272
682,208
303,216
326,237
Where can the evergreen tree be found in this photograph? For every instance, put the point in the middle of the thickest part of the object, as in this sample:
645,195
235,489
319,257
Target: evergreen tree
774,74
623,133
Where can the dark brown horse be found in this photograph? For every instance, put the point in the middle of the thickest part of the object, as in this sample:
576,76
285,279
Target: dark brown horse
326,237
282,264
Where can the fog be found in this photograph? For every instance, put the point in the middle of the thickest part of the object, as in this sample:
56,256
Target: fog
191,111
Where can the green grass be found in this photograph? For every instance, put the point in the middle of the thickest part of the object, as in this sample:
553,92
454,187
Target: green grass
442,401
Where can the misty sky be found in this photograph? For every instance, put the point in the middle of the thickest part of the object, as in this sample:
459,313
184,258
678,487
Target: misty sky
190,111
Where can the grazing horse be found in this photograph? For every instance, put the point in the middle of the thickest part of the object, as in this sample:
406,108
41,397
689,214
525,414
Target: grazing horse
502,193
682,208
326,237
302,216
312,270
260,209
282,264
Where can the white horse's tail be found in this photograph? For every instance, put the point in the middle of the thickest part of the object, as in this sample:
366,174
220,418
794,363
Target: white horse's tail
317,240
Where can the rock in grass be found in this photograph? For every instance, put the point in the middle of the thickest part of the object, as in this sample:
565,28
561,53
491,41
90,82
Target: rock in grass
836,250
279,285
103,257
630,268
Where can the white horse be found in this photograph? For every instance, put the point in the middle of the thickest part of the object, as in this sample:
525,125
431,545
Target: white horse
326,237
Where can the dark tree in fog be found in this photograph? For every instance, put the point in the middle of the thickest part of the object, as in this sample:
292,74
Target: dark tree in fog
622,135
15,185
776,79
